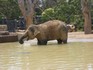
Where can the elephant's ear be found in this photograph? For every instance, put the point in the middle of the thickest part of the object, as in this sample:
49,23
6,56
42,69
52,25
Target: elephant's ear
35,30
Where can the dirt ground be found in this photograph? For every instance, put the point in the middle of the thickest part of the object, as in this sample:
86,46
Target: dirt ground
72,37
80,35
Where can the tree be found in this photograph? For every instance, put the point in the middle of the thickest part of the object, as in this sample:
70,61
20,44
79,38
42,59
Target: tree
50,3
27,8
66,11
87,16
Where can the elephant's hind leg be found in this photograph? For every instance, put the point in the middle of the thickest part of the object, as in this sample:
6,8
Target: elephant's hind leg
64,41
59,41
42,42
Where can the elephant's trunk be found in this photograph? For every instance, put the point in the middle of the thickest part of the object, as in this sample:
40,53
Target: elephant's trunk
21,40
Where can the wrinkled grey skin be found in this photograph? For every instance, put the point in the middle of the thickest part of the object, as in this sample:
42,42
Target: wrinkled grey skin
50,30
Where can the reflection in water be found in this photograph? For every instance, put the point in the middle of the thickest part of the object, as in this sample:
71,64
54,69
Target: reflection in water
71,56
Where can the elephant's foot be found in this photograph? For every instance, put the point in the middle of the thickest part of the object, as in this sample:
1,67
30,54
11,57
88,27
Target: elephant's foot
21,41
64,41
42,42
59,41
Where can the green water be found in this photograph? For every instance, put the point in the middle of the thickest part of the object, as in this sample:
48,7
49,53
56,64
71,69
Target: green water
71,56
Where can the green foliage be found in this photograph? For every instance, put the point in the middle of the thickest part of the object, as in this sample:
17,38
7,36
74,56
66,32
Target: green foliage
54,9
66,11
48,14
9,8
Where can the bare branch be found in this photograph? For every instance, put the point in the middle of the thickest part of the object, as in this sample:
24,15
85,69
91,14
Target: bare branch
35,2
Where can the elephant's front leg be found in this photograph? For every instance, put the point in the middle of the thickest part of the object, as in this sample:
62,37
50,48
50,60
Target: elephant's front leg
42,42
59,41
65,41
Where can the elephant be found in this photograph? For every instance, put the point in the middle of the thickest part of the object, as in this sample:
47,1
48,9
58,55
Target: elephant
50,30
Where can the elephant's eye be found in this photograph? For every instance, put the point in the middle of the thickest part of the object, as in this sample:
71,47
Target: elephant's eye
32,30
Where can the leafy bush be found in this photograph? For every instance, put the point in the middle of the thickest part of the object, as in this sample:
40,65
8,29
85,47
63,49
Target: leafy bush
68,12
48,14
9,9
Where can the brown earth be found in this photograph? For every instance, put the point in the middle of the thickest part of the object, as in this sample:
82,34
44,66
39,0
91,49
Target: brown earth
72,37
80,35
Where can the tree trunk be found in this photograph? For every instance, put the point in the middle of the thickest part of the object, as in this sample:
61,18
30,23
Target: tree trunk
27,8
87,16
29,20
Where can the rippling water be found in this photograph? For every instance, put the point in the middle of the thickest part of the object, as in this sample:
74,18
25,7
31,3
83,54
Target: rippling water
71,56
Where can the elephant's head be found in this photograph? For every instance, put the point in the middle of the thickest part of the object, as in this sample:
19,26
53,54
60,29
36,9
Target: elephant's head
30,33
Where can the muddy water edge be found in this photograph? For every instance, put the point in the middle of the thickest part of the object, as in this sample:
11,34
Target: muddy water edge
71,56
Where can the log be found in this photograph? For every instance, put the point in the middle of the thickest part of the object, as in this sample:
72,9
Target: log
12,37
4,33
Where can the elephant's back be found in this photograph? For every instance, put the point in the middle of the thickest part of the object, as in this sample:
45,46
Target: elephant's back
52,29
53,22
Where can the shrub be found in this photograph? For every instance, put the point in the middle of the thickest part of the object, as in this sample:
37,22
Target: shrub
48,14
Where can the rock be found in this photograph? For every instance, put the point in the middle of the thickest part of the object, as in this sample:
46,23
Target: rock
71,28
3,27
